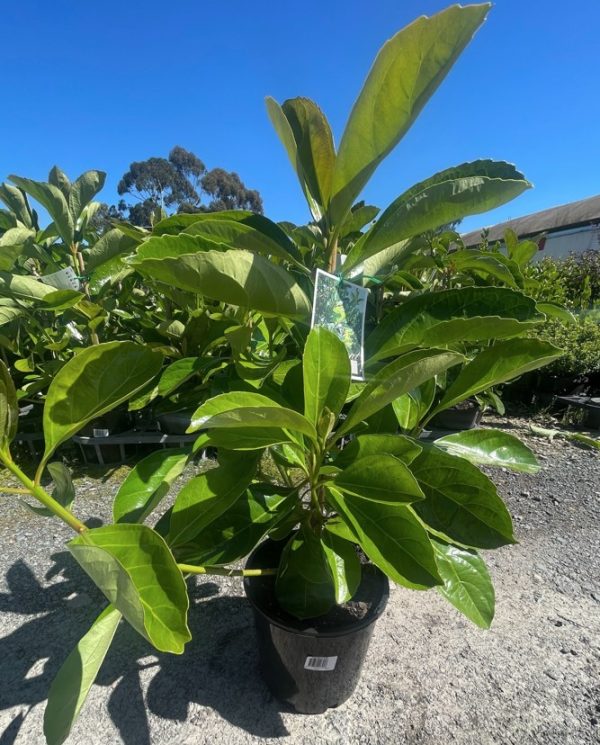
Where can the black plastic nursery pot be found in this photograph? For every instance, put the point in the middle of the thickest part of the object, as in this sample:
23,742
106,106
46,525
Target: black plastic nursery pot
458,418
312,664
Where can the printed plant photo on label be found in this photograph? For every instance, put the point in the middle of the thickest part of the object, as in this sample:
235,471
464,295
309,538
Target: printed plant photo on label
340,307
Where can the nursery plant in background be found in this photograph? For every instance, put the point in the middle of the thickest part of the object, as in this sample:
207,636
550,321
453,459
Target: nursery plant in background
346,487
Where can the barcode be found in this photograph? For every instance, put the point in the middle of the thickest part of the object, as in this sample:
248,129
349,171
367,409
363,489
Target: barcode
320,663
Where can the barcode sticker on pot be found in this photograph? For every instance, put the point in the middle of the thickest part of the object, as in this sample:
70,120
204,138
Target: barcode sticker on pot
323,664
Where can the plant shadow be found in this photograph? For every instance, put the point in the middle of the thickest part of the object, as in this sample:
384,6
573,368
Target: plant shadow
219,669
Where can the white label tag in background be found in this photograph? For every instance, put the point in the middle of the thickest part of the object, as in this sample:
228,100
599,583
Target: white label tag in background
100,432
323,664
64,279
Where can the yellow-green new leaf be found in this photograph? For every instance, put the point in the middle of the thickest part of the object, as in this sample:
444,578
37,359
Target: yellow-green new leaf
134,568
9,409
73,681
406,72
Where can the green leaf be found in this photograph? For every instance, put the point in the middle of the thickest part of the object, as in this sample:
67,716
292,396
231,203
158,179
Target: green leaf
207,496
467,583
315,152
479,263
12,244
232,535
147,483
400,446
134,568
110,272
244,438
344,565
23,287
406,72
392,537
380,477
16,201
400,376
467,189
62,299
234,276
73,681
411,407
112,243
521,252
326,371
92,383
248,410
358,218
179,372
556,311
464,314
258,234
490,447
461,501
9,409
59,178
63,492
83,190
53,201
304,586
502,362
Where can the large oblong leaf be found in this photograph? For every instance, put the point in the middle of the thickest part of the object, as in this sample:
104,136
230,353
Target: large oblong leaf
467,582
381,477
92,383
502,362
461,501
400,446
147,483
22,286
232,276
392,537
134,568
462,314
400,376
344,564
450,195
83,190
490,447
406,72
73,681
326,374
53,200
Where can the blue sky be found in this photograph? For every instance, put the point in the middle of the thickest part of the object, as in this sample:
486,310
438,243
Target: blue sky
97,85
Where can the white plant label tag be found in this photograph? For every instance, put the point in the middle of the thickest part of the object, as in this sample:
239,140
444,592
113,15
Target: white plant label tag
64,279
322,664
340,307
100,432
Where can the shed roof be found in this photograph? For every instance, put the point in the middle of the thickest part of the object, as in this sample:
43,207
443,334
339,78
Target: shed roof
574,214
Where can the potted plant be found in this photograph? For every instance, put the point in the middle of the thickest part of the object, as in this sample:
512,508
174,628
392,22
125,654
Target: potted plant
344,491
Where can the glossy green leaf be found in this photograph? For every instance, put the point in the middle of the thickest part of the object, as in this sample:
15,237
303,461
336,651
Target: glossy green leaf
248,410
406,72
12,244
112,243
134,568
358,217
233,276
411,407
304,585
9,409
467,583
62,299
258,235
502,362
361,446
73,681
381,477
464,314
16,201
520,251
244,438
177,373
481,264
207,496
83,190
92,383
53,201
63,491
109,273
59,178
467,189
553,310
461,501
490,447
344,565
9,313
392,537
232,535
23,287
326,373
147,483
397,378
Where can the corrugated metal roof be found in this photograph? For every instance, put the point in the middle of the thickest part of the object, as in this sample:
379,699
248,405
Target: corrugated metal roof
570,215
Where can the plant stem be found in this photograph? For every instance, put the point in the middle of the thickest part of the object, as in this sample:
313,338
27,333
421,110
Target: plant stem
13,490
225,572
42,496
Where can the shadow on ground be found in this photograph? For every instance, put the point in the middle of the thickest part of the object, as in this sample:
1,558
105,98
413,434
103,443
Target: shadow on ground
218,670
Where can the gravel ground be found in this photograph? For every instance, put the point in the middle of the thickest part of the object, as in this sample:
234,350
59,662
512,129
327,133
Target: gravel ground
431,677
